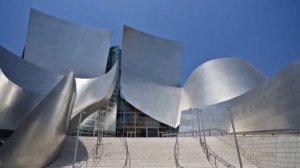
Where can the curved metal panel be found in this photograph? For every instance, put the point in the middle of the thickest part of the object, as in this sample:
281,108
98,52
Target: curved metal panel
22,87
27,75
16,103
38,140
61,46
29,84
151,57
150,74
92,94
92,90
272,105
219,80
158,101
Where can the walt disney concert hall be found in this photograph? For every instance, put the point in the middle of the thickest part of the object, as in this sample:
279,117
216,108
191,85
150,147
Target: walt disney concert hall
71,85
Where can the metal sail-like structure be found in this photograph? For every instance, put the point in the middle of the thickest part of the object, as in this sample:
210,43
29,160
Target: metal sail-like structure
37,102
64,71
39,139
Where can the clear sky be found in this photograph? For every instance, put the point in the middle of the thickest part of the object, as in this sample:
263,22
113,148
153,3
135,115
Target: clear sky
264,32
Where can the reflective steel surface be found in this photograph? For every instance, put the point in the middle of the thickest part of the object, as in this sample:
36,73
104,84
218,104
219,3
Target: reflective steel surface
40,116
30,84
22,86
272,105
151,57
91,90
40,103
39,139
159,101
219,80
16,103
150,74
60,46
92,94
27,75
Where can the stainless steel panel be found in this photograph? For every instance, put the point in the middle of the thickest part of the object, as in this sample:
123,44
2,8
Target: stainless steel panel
151,57
272,105
60,46
22,86
27,75
150,74
219,80
39,115
39,139
91,90
92,94
156,100
30,84
15,102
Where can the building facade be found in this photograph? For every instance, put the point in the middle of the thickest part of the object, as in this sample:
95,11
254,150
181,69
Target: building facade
70,78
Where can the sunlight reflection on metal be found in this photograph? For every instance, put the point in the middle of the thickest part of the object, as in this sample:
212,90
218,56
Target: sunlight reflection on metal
150,75
59,46
39,139
272,105
219,80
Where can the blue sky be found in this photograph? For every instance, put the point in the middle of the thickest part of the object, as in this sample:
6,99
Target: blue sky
264,32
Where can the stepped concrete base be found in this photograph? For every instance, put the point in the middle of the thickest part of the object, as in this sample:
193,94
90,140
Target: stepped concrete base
146,153
191,154
227,152
112,153
151,152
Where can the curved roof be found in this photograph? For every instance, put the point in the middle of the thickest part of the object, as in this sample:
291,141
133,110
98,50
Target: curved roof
272,105
219,80
60,46
151,71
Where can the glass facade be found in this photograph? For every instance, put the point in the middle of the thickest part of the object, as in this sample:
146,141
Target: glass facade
104,119
133,123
